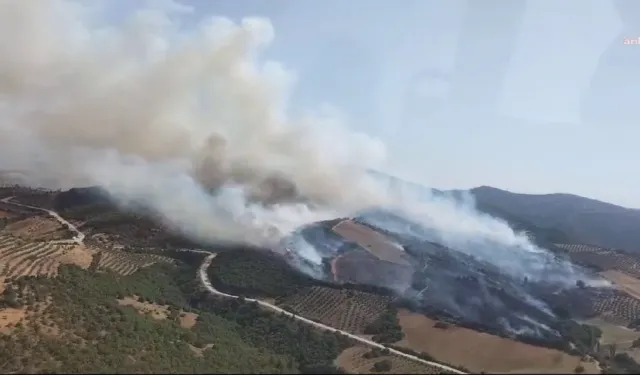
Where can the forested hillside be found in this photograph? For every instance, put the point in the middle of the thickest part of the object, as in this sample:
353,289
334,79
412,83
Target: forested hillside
76,323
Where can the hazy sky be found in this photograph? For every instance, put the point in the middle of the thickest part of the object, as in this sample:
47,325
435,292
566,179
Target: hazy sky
532,96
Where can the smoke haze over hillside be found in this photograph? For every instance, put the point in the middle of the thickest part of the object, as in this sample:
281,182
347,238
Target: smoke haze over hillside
194,125
161,114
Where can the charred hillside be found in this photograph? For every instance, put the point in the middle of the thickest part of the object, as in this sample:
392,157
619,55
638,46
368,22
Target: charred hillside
450,287
447,284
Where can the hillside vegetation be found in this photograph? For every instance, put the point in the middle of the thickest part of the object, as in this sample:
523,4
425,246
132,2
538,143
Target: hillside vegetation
260,273
256,274
73,323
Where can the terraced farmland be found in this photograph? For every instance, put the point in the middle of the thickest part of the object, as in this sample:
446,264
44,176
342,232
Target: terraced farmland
616,307
605,259
361,360
126,263
19,257
348,310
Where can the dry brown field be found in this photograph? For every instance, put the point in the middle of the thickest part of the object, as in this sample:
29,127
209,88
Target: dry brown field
372,241
479,351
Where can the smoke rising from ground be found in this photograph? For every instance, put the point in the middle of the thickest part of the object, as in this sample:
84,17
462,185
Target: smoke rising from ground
163,115
190,122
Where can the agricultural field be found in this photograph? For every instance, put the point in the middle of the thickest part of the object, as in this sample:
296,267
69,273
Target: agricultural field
125,263
483,352
615,306
576,248
348,310
622,304
19,257
624,282
603,259
361,267
362,360
38,228
372,241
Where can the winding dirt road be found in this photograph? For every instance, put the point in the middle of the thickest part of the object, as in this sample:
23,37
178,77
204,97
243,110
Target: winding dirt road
204,279
79,236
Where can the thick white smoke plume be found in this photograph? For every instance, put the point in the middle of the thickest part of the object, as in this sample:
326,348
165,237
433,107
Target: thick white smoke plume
190,122
162,114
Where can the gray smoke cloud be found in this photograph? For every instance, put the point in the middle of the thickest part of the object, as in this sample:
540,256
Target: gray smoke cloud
191,122
163,116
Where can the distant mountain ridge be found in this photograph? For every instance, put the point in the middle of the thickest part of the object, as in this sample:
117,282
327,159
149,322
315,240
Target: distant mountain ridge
549,218
581,220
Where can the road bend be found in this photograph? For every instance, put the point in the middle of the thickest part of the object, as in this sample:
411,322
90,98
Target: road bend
204,279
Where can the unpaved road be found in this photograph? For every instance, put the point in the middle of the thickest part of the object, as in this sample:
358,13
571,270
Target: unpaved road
79,236
204,279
